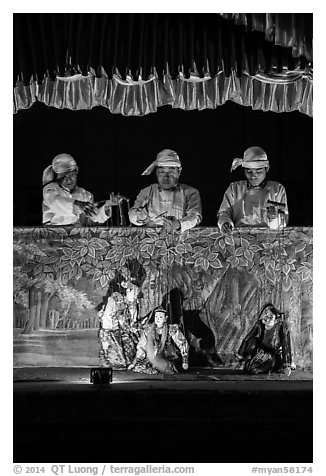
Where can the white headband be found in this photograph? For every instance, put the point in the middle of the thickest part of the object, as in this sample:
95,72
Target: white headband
60,164
254,164
253,158
165,158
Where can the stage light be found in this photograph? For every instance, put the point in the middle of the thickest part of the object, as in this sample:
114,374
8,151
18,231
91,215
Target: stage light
101,375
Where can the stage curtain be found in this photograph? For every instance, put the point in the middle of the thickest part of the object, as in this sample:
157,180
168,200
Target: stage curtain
285,29
134,63
281,93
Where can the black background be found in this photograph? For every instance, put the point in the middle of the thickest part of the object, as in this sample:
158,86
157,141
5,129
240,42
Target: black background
113,150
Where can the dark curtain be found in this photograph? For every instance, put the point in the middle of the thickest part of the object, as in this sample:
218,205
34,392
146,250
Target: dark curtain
141,44
285,29
133,63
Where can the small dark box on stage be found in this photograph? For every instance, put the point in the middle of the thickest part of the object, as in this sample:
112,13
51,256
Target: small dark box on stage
101,375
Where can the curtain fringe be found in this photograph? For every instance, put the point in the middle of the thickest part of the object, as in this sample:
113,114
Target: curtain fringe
279,93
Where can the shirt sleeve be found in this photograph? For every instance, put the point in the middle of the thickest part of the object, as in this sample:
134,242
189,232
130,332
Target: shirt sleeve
282,198
59,204
81,195
139,206
277,194
225,213
193,212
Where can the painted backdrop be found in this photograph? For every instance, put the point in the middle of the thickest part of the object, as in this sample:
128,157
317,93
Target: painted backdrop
214,287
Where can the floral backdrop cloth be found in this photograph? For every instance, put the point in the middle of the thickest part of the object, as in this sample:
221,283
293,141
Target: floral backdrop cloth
213,286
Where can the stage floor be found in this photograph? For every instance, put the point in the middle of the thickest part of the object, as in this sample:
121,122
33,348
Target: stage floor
81,375
203,415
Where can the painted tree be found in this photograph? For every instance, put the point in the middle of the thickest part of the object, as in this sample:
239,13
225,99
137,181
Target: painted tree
224,278
36,282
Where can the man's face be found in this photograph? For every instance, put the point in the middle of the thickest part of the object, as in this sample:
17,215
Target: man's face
167,177
255,176
69,180
160,318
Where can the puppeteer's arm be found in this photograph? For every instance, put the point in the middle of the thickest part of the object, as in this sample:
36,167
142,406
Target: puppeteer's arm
282,198
225,213
58,203
193,214
138,213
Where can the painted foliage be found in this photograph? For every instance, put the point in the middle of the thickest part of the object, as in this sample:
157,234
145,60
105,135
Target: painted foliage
61,274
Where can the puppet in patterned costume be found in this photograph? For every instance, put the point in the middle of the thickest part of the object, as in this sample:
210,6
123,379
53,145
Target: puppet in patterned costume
266,348
118,339
161,347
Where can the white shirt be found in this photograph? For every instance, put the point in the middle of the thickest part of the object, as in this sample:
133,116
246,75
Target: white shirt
59,209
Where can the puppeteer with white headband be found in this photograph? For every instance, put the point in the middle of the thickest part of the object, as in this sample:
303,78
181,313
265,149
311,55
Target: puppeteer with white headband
255,201
61,164
166,203
253,158
67,206
165,158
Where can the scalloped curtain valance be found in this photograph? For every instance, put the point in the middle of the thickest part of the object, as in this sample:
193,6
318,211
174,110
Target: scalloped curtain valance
134,63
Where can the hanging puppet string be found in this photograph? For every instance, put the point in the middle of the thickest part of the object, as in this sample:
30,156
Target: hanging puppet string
282,242
181,313
168,287
172,294
292,347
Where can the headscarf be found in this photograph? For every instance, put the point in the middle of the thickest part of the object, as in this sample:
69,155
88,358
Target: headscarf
165,158
253,158
274,310
61,164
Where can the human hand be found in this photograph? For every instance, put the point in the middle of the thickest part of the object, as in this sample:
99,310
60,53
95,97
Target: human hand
171,224
271,212
185,366
142,215
227,228
87,207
